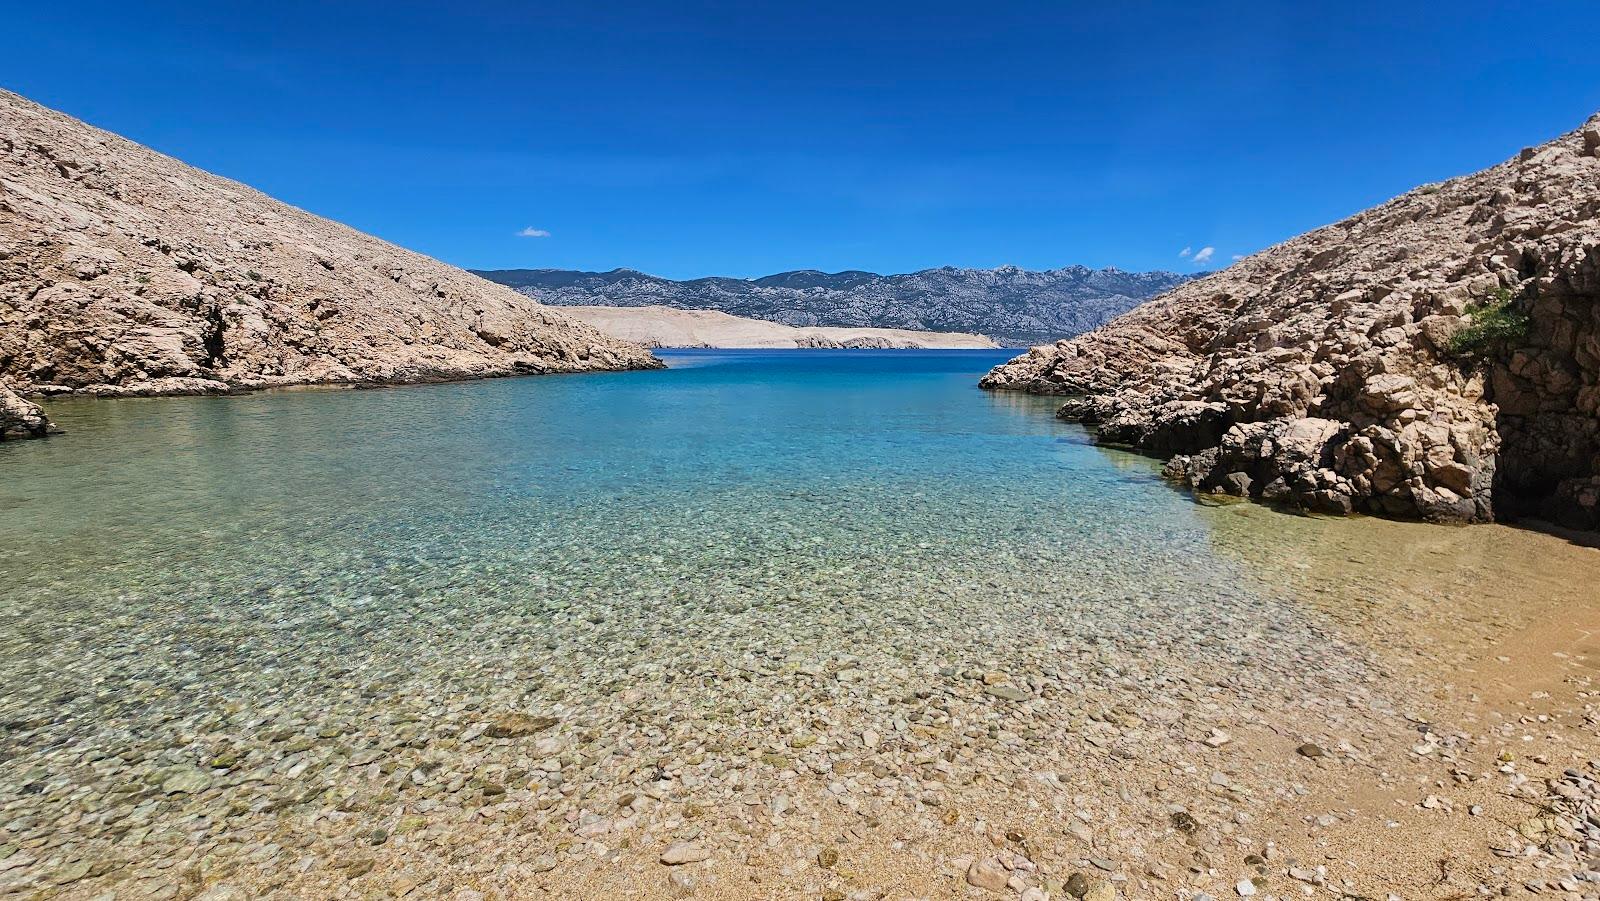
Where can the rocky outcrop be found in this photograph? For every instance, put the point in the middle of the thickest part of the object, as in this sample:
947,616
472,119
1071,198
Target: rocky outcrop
1435,357
20,418
1014,305
125,271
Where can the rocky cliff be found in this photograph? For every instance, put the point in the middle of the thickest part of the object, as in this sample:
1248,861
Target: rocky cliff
125,271
1012,305
1435,357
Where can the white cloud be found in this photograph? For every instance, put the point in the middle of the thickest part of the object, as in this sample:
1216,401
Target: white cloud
1186,251
531,232
1237,257
1203,255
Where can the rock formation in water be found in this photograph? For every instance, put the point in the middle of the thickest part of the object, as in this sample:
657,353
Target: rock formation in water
1013,305
123,271
1436,357
20,418
670,327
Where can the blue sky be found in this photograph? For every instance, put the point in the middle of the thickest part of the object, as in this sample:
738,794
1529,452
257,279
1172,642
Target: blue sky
741,138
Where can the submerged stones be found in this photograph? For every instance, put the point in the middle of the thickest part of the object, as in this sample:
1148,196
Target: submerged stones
184,781
518,725
532,685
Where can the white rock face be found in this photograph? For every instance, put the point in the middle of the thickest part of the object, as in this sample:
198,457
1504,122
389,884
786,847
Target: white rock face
1331,372
125,271
656,326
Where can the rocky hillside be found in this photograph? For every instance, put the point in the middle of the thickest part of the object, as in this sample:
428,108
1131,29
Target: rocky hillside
1437,356
125,271
1015,306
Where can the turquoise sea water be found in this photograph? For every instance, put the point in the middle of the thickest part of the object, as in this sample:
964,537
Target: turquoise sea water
186,545
260,588
886,454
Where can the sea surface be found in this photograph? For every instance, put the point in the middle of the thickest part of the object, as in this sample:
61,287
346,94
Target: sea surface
247,632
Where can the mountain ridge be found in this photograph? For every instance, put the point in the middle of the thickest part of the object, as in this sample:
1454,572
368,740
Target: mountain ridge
1009,303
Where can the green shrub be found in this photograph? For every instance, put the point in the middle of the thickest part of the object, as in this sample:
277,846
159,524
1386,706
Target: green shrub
1494,323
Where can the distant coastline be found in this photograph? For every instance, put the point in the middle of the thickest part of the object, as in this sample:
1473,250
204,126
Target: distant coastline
659,326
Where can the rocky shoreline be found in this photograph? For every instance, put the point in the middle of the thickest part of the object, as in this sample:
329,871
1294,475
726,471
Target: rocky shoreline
126,272
19,417
1436,357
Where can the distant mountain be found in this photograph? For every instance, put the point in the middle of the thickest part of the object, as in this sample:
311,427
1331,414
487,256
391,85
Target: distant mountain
1014,306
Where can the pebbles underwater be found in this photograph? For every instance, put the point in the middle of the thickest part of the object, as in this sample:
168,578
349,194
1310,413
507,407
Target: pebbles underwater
790,625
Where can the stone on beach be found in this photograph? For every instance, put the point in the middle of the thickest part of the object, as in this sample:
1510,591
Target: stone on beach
679,853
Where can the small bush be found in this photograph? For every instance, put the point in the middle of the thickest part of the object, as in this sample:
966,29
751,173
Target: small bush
1494,323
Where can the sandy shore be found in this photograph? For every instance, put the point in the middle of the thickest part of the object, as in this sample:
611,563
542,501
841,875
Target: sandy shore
656,326
1466,768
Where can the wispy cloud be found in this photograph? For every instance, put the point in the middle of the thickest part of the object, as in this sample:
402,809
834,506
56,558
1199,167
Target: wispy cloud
1237,257
531,232
1203,255
1186,252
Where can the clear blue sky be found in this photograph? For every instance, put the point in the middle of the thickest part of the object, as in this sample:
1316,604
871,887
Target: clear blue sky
688,138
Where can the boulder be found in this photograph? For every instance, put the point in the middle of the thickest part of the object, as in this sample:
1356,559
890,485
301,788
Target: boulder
21,418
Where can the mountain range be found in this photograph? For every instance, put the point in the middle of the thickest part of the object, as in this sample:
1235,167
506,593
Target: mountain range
1015,306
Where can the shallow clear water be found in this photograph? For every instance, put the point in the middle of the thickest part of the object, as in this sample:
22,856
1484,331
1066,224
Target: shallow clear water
248,525
652,559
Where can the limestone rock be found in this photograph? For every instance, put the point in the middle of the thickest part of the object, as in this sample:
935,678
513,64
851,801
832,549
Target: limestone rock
20,418
679,853
987,873
125,271
1326,373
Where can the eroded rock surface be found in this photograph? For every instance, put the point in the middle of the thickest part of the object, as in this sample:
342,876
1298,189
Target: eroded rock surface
20,418
1329,372
123,271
